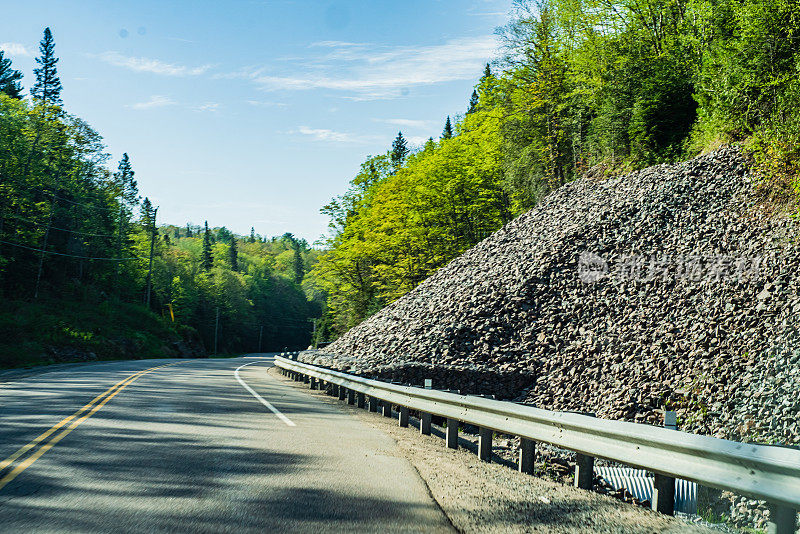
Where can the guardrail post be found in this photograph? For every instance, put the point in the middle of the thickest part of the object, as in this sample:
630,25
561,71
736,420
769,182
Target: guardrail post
387,408
351,397
361,400
451,436
425,424
485,444
584,471
403,417
306,379
782,520
342,391
527,455
373,404
663,500
313,382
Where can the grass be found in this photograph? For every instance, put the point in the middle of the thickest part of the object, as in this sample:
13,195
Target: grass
50,331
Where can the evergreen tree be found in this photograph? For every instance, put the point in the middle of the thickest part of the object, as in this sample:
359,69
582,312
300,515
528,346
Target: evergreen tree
126,185
399,150
208,258
473,102
47,87
188,230
234,255
252,235
146,215
297,265
487,73
447,133
9,78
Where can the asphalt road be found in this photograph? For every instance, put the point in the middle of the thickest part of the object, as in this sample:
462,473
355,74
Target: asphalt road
190,447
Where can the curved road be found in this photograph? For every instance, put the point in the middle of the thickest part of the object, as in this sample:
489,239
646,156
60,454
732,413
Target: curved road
194,446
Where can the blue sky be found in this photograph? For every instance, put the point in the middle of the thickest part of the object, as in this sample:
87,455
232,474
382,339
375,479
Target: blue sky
256,113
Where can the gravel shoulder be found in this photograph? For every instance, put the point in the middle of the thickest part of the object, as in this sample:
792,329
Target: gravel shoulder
488,497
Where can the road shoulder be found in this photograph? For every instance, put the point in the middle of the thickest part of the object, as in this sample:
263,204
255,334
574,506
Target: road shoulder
486,497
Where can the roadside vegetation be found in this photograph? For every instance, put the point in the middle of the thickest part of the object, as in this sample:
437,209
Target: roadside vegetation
583,87
85,270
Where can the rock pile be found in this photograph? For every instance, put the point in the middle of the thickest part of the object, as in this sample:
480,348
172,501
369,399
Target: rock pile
671,287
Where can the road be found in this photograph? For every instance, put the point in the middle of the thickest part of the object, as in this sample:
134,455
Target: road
195,446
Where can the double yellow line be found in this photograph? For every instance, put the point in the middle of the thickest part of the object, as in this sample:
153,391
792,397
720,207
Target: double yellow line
70,422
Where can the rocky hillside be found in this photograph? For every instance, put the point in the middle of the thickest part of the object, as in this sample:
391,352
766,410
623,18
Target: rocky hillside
668,287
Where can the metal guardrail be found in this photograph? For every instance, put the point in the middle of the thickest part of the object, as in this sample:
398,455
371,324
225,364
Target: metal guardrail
758,471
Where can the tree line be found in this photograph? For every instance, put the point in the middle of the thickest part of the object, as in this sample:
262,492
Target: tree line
74,231
582,86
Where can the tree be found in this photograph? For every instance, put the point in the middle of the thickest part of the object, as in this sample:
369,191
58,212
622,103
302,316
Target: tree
297,265
252,235
127,188
473,102
399,150
9,78
447,133
233,255
47,88
207,261
188,230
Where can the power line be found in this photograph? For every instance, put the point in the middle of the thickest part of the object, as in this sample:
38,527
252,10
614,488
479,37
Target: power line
21,218
65,255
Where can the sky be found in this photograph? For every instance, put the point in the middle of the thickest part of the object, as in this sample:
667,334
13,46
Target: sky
256,113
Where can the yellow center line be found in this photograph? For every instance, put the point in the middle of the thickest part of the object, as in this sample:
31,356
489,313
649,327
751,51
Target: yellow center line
105,396
8,461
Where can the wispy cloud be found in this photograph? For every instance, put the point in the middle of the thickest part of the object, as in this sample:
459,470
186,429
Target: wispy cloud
322,134
367,72
408,123
208,106
154,66
266,104
156,101
15,49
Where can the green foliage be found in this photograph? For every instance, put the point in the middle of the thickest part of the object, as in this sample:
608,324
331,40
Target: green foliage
447,132
399,150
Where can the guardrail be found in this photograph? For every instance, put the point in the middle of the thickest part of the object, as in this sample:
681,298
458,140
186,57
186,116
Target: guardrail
758,471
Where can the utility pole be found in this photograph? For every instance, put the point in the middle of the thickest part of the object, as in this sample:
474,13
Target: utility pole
216,332
152,249
260,336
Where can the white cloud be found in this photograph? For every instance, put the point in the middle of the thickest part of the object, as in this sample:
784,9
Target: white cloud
408,123
322,134
266,104
368,72
156,101
15,49
154,66
417,140
208,106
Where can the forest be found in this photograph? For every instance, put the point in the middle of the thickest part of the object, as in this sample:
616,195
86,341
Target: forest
583,87
87,272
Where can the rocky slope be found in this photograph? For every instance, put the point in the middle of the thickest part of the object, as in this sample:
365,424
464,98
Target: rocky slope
668,287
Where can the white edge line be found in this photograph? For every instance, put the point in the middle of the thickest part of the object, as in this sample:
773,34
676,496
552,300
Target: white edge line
261,399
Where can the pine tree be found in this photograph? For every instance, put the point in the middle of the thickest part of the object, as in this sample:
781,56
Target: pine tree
473,102
146,215
234,255
447,133
487,72
47,87
126,185
208,257
188,230
252,235
399,150
297,264
9,78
